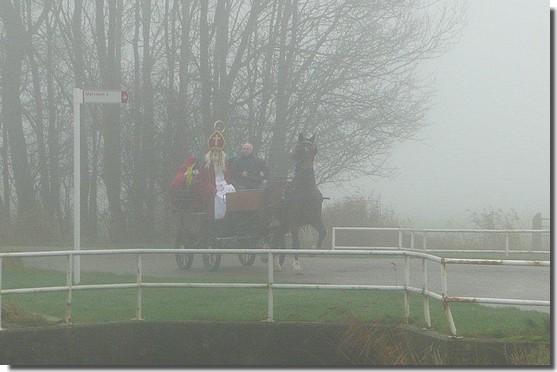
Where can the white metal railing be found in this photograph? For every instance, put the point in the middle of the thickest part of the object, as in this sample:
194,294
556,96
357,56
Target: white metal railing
424,233
270,284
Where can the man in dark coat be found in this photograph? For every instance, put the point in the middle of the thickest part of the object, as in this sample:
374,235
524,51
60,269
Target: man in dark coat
248,171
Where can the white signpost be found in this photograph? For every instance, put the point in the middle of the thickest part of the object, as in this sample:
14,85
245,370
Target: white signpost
81,96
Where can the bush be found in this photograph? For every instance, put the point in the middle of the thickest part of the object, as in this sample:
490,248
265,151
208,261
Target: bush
358,211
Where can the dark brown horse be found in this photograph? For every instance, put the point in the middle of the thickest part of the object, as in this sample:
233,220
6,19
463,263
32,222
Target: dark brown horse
303,200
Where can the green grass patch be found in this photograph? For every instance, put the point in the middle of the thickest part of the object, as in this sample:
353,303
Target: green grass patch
91,306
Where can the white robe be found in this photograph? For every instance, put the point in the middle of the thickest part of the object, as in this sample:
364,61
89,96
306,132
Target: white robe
223,188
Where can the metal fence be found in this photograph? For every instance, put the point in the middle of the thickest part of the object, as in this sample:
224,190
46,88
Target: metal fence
270,285
423,234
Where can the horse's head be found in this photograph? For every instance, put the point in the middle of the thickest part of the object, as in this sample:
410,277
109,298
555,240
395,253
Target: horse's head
304,152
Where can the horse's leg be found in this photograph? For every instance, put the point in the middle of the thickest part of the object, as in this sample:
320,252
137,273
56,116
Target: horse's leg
278,242
296,265
283,229
322,233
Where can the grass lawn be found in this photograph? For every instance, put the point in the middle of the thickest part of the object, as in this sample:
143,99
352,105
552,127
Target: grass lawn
251,304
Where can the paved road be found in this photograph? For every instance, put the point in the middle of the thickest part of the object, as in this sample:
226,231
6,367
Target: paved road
515,282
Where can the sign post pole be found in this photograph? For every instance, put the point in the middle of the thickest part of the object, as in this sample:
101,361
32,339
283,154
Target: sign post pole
77,101
85,96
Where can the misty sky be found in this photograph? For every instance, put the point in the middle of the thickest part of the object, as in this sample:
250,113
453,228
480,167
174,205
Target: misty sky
487,136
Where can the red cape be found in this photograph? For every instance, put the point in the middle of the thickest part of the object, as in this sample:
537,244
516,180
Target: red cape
180,178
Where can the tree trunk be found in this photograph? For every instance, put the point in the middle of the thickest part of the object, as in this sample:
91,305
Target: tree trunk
5,175
253,75
92,218
204,69
171,105
147,165
137,191
278,153
267,72
11,109
182,139
109,63
226,79
79,80
53,136
219,62
39,130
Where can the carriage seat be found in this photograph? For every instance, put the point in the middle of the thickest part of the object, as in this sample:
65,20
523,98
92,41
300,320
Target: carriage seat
245,200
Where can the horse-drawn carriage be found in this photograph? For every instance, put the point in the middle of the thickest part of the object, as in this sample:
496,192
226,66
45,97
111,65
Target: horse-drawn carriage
253,218
251,221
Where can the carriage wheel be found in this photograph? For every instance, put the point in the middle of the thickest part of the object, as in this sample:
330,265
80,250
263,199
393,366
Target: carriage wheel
183,260
264,244
212,261
287,244
246,259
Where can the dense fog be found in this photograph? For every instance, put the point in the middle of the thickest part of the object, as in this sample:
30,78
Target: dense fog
486,144
173,149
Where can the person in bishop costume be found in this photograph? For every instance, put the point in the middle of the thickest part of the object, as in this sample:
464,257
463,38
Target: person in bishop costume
214,176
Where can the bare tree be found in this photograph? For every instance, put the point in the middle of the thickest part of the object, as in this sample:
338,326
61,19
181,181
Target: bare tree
345,69
109,58
6,214
204,67
18,43
88,184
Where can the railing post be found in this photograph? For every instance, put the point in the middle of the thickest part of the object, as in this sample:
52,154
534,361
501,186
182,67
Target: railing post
424,241
333,238
446,306
412,239
406,284
69,283
270,280
77,101
536,237
139,309
427,316
507,244
399,238
1,293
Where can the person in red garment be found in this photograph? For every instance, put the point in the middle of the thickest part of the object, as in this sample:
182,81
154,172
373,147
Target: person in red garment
185,186
185,173
214,177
